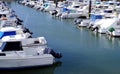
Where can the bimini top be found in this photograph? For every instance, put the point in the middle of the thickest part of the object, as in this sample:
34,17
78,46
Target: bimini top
7,33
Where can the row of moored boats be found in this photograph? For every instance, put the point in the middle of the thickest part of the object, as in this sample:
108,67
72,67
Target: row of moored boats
18,49
102,17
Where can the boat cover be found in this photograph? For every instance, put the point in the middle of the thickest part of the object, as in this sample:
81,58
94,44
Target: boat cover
2,34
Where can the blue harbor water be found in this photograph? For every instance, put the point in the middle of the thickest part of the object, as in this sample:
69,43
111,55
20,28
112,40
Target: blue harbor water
84,52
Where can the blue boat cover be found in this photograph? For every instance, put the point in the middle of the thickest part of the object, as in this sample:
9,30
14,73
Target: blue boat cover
2,34
93,17
65,9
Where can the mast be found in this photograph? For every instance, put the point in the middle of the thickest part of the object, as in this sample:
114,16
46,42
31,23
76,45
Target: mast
90,3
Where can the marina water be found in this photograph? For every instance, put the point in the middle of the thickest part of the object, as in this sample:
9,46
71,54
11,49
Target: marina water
84,52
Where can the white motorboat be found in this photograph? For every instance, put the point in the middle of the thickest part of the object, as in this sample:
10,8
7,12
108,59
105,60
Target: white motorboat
13,26
114,31
103,25
8,28
22,53
49,6
75,10
83,23
70,15
24,2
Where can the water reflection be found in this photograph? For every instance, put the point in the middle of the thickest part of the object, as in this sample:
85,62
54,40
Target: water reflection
81,28
35,70
114,40
106,40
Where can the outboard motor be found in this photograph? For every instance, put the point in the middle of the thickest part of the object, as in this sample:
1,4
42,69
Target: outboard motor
42,9
90,26
56,55
53,53
93,29
18,23
38,8
54,12
19,19
77,21
96,28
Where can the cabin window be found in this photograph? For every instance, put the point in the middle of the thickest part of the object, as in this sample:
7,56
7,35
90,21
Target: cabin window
108,11
105,7
36,42
12,46
2,54
76,6
111,3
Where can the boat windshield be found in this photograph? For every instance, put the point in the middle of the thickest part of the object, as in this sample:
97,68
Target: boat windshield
11,46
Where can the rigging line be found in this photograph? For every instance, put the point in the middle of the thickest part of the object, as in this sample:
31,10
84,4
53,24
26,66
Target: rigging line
26,19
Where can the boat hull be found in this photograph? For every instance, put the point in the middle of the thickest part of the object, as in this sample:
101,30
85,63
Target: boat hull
25,62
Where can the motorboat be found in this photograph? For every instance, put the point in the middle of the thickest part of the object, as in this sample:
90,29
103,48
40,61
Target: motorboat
70,14
25,53
38,5
114,31
48,6
8,28
83,23
9,31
